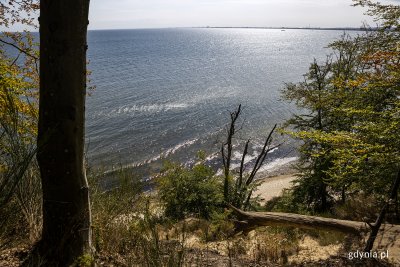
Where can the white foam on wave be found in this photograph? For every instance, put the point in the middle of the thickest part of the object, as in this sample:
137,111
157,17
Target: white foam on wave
214,93
133,109
247,159
211,93
277,163
212,156
238,156
179,146
166,153
153,108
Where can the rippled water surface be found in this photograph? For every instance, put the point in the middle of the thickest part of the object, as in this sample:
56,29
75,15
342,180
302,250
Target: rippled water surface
167,92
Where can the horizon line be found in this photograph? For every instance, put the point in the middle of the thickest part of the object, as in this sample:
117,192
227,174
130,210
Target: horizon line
241,27
351,28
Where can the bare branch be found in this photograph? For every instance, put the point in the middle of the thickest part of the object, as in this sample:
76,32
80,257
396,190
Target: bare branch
19,49
261,157
242,167
227,158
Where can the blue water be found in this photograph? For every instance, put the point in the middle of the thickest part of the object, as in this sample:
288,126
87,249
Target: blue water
168,92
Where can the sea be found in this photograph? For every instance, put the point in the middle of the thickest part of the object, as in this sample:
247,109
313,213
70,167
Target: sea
165,94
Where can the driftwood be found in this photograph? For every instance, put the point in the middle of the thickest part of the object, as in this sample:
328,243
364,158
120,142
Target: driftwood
248,221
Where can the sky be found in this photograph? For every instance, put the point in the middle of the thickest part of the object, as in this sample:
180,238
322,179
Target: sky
125,14
132,14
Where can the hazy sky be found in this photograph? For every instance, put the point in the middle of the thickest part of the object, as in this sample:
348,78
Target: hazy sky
129,14
106,14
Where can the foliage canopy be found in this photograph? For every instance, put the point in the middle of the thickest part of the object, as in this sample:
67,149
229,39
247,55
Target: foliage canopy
351,131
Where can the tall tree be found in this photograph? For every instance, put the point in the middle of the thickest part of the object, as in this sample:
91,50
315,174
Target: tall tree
353,123
66,209
319,96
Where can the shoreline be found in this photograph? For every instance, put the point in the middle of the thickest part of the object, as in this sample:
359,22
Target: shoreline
277,168
271,187
274,181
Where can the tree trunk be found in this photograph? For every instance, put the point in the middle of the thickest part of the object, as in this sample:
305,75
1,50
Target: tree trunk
66,210
251,220
377,225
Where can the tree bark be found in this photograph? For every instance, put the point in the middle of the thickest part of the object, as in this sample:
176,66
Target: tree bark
226,159
66,209
377,225
251,220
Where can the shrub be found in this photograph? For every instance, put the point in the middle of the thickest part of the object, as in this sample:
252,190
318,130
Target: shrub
189,191
286,203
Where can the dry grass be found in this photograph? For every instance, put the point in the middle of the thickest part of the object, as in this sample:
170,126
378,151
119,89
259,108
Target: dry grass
360,208
130,229
21,222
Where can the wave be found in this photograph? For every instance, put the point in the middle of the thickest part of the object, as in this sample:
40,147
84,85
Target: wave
179,146
275,164
212,156
214,93
166,153
151,108
237,156
247,159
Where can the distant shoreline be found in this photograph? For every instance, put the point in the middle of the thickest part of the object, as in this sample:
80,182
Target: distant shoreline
248,27
294,28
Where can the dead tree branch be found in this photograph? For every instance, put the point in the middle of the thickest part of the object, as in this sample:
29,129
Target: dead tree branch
248,221
238,188
226,158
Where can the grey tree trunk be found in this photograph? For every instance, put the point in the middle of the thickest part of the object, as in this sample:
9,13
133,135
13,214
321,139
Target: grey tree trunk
66,208
248,221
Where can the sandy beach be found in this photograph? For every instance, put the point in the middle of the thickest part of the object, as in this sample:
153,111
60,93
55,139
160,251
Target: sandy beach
275,178
271,187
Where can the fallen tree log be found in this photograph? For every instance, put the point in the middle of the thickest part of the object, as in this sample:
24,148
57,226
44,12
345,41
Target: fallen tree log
248,221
